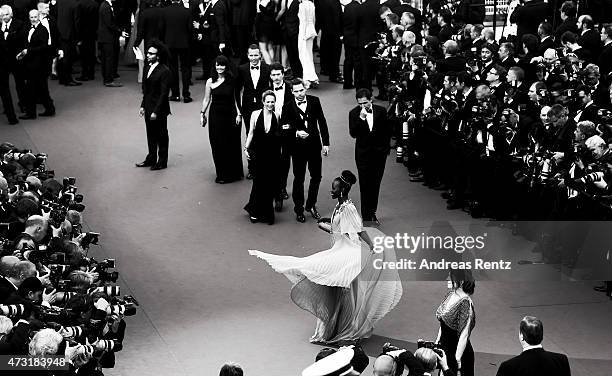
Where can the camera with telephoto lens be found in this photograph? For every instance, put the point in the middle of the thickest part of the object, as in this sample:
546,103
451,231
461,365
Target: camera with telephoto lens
430,345
101,267
13,310
605,115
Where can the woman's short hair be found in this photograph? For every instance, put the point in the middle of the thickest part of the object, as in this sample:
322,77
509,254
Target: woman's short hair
267,93
45,342
427,357
231,369
6,325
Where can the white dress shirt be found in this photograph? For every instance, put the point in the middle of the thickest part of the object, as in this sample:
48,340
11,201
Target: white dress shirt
279,92
255,73
32,28
370,118
151,68
5,28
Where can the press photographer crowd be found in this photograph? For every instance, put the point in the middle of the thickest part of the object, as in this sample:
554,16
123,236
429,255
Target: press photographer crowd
55,299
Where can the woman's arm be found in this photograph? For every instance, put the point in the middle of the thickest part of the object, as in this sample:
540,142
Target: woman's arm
238,113
205,102
463,338
283,9
366,238
249,139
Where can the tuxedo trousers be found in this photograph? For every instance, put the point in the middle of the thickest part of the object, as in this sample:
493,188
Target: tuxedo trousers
306,158
180,57
370,168
110,60
64,69
291,43
37,89
331,49
88,58
352,65
157,139
7,98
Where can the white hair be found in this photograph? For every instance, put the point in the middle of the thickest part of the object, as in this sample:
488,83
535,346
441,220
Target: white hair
45,342
6,325
7,8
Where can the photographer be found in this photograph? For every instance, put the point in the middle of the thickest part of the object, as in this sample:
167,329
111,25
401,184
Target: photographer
423,362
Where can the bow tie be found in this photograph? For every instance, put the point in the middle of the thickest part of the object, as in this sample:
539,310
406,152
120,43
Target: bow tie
278,88
33,26
254,67
301,102
369,110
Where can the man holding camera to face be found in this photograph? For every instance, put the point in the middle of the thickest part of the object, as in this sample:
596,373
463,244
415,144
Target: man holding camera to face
423,362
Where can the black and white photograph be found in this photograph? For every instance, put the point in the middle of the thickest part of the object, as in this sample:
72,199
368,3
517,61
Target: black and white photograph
306,187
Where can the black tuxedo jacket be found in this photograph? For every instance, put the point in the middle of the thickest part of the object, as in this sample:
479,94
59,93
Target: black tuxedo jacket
529,16
312,121
150,25
368,22
370,142
37,58
251,96
535,362
108,29
14,39
155,90
590,113
329,16
567,25
178,26
605,60
451,64
216,16
546,44
591,41
349,24
6,289
291,22
243,12
67,19
87,22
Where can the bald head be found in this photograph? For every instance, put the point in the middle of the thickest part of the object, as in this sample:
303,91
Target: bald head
384,365
6,263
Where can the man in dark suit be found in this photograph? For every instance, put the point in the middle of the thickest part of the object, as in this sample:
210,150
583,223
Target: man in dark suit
35,61
568,16
369,126
108,41
155,106
587,110
329,16
534,360
546,38
67,21
5,91
527,17
253,79
283,93
451,62
605,58
399,7
291,25
215,18
87,27
178,29
368,25
243,18
12,31
352,61
307,125
588,38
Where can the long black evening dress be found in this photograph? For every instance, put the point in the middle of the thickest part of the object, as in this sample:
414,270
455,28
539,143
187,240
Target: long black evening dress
225,134
265,152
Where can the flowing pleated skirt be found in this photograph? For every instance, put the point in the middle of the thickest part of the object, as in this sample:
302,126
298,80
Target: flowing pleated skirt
341,287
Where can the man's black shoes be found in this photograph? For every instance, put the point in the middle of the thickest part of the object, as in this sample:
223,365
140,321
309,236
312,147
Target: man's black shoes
174,99
145,164
28,117
313,211
47,113
187,100
158,166
300,217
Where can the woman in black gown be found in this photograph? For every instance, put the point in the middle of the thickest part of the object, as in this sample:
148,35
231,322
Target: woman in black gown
457,320
224,122
263,147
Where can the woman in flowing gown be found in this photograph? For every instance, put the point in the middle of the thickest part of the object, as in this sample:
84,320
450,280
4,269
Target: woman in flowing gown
263,146
224,122
306,35
341,286
457,320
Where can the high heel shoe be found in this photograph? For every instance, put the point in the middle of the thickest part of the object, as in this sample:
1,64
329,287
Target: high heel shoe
253,219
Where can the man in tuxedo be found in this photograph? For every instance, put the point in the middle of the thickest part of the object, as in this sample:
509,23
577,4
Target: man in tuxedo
568,16
605,58
546,38
5,68
329,16
527,17
178,29
86,26
15,274
67,21
108,42
155,106
283,93
589,38
243,18
308,126
368,25
253,79
534,360
451,62
369,126
12,31
588,110
352,61
291,27
215,18
35,61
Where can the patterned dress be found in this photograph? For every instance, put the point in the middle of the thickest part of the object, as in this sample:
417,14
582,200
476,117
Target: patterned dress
340,286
